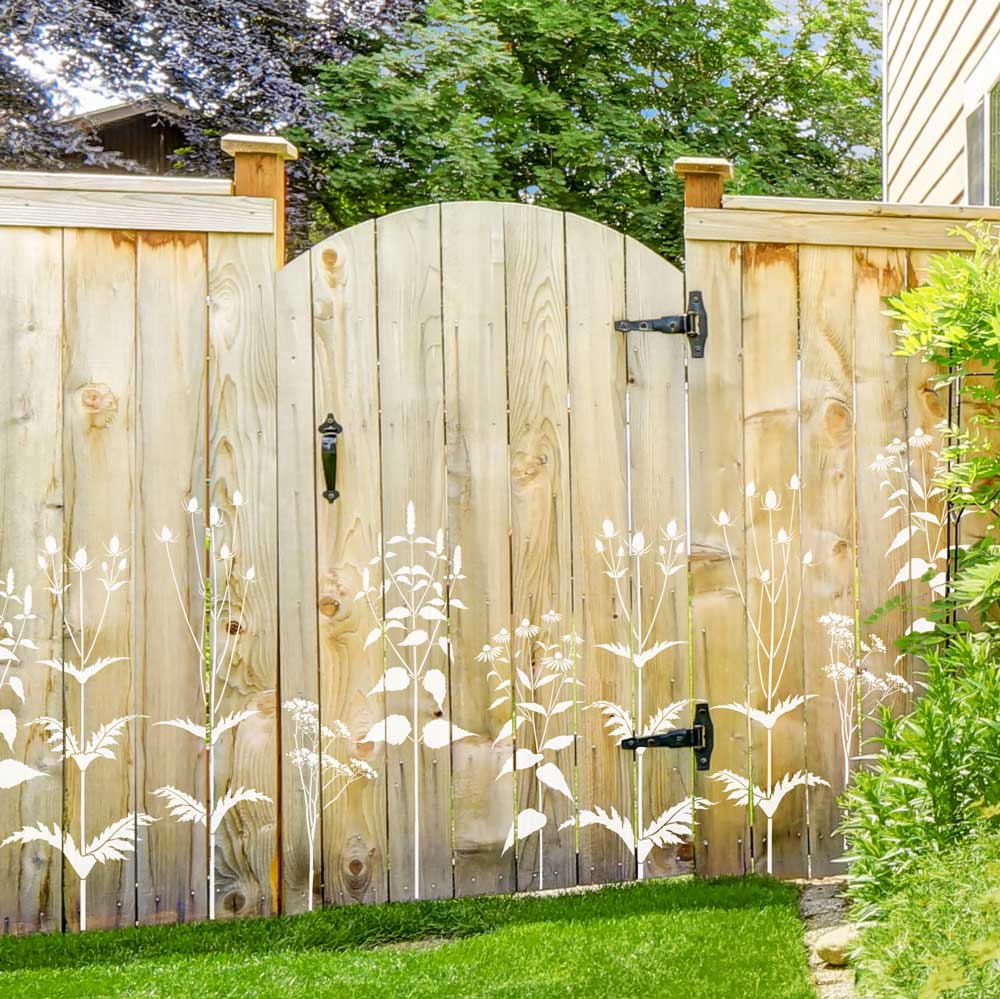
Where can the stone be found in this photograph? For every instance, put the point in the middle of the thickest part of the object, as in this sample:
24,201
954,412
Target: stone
834,946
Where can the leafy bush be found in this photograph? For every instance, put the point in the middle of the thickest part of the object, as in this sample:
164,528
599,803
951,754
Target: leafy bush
939,767
940,932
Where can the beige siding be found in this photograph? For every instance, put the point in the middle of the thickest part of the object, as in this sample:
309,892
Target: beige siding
933,49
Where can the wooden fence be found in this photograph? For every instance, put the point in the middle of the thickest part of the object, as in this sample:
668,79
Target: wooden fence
234,699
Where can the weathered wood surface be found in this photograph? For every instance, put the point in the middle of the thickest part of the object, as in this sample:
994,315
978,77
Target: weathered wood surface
99,477
67,180
135,210
595,294
355,845
31,509
717,563
540,499
826,324
774,552
241,459
301,797
475,362
657,444
171,370
414,471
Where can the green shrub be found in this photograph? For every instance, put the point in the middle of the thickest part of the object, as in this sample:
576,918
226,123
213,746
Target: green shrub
940,932
938,769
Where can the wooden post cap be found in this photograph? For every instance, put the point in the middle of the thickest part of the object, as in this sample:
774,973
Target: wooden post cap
703,179
261,145
713,165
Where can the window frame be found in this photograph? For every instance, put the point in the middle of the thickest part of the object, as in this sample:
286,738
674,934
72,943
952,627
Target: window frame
983,87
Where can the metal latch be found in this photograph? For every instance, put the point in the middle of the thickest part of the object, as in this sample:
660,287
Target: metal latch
693,324
700,737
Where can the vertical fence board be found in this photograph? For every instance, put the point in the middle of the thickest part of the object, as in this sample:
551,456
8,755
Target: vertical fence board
718,623
301,801
927,408
658,470
770,405
346,384
475,358
414,470
99,470
826,296
880,394
31,492
171,415
242,459
540,497
595,298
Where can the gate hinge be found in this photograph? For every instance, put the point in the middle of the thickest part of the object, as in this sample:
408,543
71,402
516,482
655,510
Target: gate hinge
693,324
700,737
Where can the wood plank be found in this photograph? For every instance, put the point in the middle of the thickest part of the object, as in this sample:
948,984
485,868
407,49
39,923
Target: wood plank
135,210
868,209
298,640
31,490
658,469
355,848
822,230
69,180
100,476
927,408
880,399
475,360
826,319
774,559
171,415
241,441
414,471
539,496
718,622
595,298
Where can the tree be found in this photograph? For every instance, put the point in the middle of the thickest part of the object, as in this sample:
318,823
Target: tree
583,107
231,65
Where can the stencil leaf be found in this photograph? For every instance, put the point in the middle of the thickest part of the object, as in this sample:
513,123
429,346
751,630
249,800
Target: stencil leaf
551,776
528,821
394,730
8,727
181,805
439,732
14,773
231,799
435,685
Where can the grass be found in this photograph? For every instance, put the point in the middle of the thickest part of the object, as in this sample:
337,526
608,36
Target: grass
738,938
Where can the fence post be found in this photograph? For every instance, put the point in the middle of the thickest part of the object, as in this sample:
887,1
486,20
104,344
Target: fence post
259,172
703,180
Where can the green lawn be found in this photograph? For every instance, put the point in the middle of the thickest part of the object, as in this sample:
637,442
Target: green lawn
676,939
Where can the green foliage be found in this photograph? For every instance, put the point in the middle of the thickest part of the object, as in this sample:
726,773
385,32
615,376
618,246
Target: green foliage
939,935
938,769
702,940
584,107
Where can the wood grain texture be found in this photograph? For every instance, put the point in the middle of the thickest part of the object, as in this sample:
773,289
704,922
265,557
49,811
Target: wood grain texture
171,426
99,471
355,847
135,210
301,805
414,470
539,489
475,362
826,318
595,298
881,400
824,230
718,622
770,412
31,498
242,445
658,471
66,180
831,206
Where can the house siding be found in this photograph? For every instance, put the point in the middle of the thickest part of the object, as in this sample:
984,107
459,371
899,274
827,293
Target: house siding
933,48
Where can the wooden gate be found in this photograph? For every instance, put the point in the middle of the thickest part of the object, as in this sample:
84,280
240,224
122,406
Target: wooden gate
469,352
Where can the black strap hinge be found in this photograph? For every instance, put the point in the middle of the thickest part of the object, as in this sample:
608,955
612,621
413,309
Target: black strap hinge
700,737
693,324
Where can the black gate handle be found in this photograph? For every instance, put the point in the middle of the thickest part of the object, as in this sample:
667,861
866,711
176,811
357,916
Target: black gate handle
329,429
